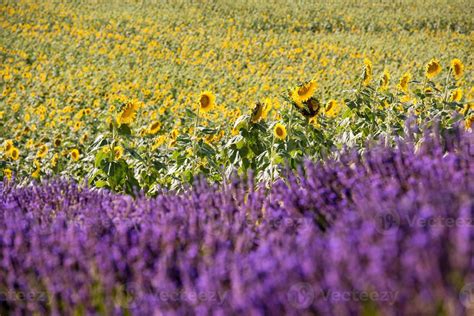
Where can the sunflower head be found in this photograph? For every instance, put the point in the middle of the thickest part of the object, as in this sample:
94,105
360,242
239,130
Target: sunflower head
118,152
8,145
456,95
404,81
457,67
367,74
432,69
14,153
57,142
206,101
303,93
384,80
332,108
42,151
154,127
128,112
279,131
7,173
75,154
257,112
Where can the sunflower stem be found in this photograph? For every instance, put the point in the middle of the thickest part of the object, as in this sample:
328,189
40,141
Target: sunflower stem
196,124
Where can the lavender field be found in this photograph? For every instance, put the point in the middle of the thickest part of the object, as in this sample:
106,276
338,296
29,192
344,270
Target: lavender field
386,233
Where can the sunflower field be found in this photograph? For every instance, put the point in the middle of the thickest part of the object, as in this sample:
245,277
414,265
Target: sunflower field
199,149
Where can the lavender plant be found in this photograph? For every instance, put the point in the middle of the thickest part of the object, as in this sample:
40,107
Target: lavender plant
386,233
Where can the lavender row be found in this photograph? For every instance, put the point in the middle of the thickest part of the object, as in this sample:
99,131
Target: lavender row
389,232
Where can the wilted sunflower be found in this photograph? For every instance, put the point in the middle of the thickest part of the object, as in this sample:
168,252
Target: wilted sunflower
206,101
367,75
279,131
42,151
118,152
384,80
75,154
128,113
154,127
304,92
456,95
433,68
332,108
457,67
404,81
14,153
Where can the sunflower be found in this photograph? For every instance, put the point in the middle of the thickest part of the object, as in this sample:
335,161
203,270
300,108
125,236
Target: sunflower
257,112
42,151
8,145
54,160
14,153
384,80
206,101
304,92
404,81
332,108
128,113
7,173
468,122
279,131
75,154
457,67
154,127
433,68
367,75
118,152
428,91
456,95
57,142
37,171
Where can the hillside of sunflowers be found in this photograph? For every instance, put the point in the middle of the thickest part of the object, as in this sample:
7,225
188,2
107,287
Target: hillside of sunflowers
237,157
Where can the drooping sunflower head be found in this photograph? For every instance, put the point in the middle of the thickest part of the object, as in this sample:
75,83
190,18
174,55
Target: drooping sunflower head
456,95
42,151
384,80
303,93
279,131
206,101
367,75
432,69
257,112
404,81
457,67
75,154
154,127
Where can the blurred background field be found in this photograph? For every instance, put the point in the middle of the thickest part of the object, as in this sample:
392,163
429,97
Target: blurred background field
62,65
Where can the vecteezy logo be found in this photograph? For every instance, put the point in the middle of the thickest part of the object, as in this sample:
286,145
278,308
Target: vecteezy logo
301,295
387,221
466,296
